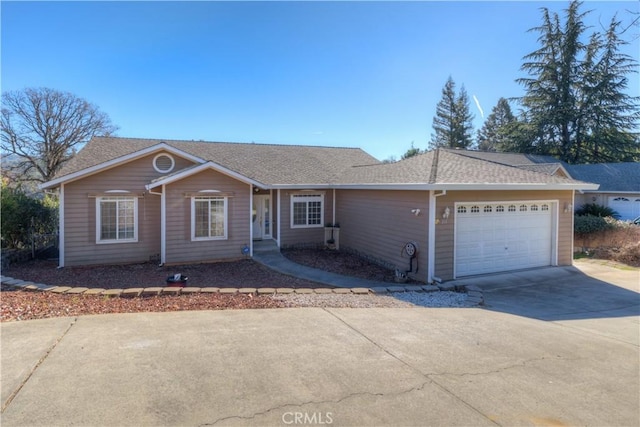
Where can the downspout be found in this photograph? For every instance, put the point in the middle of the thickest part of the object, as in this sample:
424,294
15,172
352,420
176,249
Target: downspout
431,249
61,227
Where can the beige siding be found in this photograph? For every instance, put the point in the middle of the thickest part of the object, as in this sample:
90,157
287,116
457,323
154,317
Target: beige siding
179,247
380,223
445,229
303,236
80,215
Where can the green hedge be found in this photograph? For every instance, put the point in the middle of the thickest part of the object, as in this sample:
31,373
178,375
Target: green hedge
586,224
23,216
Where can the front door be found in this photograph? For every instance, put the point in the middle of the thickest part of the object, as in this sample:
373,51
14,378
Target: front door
261,217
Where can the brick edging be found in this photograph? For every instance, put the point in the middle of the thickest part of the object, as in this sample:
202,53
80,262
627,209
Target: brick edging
475,296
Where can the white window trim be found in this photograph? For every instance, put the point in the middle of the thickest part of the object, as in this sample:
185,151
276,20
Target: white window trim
318,194
173,163
225,199
101,241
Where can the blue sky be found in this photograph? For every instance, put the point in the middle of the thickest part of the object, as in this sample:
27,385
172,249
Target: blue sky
321,73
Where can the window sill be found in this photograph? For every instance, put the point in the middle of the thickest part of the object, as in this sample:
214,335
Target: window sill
111,242
207,239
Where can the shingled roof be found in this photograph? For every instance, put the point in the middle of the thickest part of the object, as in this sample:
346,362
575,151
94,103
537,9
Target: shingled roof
278,166
269,164
618,177
445,167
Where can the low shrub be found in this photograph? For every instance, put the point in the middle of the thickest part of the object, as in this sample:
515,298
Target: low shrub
587,224
608,238
595,209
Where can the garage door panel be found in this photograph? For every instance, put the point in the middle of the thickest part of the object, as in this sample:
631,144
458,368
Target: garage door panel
628,207
493,237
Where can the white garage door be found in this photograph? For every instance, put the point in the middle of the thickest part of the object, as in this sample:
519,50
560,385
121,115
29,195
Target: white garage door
493,237
628,207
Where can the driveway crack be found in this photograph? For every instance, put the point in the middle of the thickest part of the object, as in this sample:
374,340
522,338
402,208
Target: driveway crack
36,366
413,368
317,402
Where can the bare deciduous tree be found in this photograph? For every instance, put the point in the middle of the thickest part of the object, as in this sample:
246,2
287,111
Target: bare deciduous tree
43,127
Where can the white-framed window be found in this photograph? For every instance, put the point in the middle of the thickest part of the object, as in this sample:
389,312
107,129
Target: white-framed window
307,210
116,219
209,218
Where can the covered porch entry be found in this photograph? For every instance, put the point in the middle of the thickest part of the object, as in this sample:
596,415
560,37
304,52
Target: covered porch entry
262,217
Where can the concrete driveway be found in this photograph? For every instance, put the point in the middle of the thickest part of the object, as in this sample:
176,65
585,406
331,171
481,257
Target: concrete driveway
313,366
591,296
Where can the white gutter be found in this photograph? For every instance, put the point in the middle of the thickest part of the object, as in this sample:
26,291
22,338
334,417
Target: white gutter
431,247
443,187
208,165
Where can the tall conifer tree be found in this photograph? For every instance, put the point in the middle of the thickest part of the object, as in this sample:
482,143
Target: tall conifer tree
452,124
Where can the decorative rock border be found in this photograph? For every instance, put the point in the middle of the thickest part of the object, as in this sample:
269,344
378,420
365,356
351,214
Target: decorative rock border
475,296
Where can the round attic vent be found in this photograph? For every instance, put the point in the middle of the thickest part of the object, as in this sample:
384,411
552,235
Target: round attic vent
163,163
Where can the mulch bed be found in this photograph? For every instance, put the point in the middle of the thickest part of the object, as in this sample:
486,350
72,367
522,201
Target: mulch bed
341,263
238,274
24,305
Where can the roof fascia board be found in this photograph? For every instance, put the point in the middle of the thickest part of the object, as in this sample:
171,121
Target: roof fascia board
208,165
420,186
518,186
352,186
612,192
118,161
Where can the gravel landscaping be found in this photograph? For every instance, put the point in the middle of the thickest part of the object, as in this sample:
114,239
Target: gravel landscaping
396,299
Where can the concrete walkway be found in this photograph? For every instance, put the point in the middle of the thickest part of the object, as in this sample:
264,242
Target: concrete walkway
267,253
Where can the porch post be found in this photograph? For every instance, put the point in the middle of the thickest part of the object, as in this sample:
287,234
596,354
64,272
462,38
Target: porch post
163,225
333,221
61,227
279,223
250,220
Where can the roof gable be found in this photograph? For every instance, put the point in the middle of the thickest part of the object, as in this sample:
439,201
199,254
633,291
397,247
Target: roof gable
74,168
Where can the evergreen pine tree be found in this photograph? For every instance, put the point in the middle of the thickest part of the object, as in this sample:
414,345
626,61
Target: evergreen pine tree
575,103
495,134
452,123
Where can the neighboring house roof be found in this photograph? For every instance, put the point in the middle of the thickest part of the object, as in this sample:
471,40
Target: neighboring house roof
279,166
511,159
612,177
